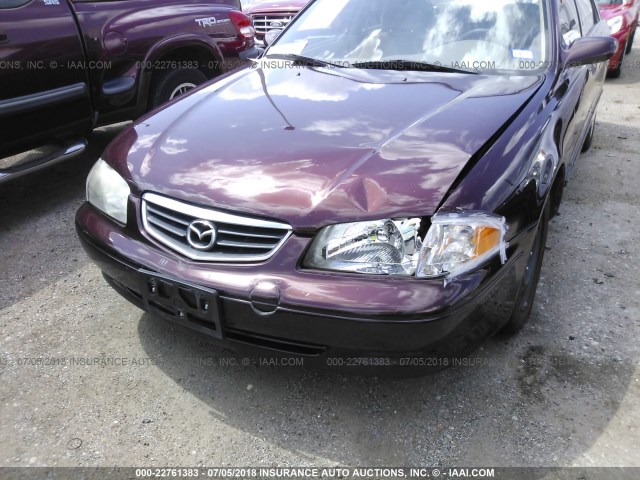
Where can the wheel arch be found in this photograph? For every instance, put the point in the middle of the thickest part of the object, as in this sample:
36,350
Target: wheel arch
187,48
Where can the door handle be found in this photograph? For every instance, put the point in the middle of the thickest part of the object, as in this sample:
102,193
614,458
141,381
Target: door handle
4,38
560,90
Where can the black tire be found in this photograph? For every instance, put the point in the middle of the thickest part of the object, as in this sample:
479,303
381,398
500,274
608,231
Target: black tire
529,284
172,83
589,139
618,70
630,42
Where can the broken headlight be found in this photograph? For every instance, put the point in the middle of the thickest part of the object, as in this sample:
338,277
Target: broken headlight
456,243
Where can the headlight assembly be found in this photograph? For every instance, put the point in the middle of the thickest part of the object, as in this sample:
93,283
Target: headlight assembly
615,24
108,191
456,243
460,242
384,247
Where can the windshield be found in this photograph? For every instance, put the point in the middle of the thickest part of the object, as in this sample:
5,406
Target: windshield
480,36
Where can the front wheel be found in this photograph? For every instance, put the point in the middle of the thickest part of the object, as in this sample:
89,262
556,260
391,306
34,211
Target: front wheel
174,83
529,284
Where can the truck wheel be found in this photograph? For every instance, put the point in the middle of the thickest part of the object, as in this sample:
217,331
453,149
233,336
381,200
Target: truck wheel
630,41
529,285
174,83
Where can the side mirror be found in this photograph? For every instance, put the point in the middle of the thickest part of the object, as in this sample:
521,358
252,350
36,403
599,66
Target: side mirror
271,35
587,50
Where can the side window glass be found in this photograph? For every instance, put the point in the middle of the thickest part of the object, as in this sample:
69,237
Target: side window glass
587,15
569,24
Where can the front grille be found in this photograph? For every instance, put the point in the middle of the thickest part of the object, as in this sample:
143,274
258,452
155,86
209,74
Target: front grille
235,238
264,23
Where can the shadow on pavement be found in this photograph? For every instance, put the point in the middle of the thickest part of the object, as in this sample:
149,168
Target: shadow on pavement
37,222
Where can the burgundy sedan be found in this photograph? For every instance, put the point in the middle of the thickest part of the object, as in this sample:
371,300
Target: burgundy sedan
375,191
622,18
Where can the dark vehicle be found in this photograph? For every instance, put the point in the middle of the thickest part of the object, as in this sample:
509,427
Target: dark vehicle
375,191
272,14
622,18
69,66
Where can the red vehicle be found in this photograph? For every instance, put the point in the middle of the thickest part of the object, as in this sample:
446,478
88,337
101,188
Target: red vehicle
622,17
272,15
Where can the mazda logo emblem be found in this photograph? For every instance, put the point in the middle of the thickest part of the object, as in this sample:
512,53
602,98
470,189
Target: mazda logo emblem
201,235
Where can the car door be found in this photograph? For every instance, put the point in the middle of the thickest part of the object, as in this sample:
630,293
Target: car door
573,79
595,73
44,91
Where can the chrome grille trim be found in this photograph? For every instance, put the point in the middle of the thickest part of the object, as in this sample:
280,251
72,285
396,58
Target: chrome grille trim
262,23
240,238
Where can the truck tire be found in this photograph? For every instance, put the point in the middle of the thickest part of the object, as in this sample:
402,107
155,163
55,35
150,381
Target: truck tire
174,83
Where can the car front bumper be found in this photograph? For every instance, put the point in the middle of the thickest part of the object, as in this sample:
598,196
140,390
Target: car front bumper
274,308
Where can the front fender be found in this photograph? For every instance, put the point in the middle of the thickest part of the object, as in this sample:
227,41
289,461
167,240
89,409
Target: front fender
515,175
164,47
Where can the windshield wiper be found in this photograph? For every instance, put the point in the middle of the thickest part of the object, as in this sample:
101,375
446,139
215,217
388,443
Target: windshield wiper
301,60
409,65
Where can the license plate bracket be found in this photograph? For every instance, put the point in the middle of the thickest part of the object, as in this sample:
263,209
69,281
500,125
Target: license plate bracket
190,305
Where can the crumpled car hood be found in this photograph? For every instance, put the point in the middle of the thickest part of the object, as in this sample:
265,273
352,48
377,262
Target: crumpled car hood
313,147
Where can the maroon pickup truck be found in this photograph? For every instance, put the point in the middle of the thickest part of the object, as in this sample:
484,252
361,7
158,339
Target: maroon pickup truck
67,66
